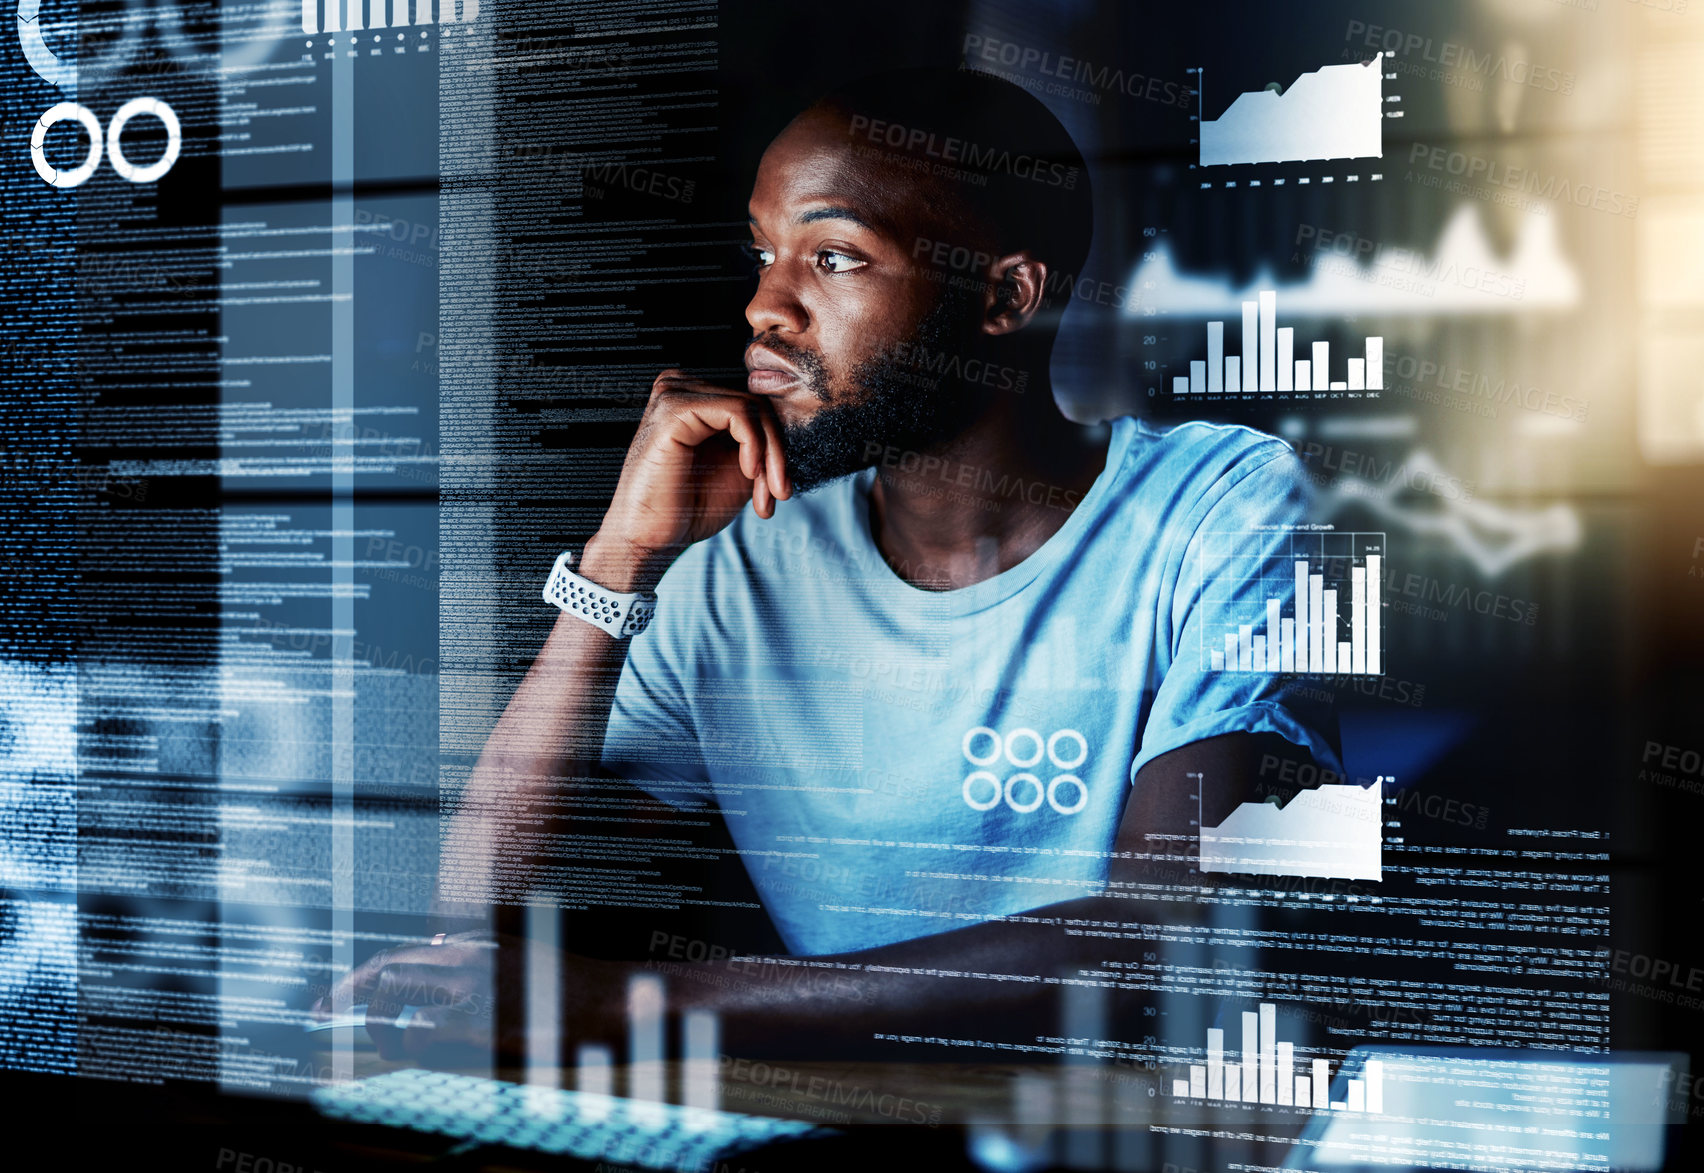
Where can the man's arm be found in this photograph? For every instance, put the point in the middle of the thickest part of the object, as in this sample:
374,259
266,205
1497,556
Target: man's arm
889,989
549,733
699,455
919,987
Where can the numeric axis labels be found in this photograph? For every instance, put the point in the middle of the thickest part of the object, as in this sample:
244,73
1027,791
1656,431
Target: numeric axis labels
1065,749
114,151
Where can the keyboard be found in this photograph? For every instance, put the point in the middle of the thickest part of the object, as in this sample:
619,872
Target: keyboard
584,1125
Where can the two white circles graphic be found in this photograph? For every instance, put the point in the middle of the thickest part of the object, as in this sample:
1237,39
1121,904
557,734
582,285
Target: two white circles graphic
1066,750
71,177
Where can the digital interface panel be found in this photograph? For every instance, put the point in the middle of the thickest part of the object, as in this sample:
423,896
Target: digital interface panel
1135,592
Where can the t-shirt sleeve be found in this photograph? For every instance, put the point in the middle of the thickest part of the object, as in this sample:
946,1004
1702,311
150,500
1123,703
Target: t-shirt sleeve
652,738
1257,513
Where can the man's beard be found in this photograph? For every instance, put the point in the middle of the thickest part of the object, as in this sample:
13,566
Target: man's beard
893,404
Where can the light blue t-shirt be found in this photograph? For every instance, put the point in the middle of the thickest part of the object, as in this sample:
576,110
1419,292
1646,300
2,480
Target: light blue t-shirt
894,762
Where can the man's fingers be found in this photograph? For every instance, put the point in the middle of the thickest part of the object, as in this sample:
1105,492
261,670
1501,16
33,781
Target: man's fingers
686,412
408,1032
412,1004
672,377
347,990
760,497
745,431
698,415
420,1028
402,984
354,986
779,486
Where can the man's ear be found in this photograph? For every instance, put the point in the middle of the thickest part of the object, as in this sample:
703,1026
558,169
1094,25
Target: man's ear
1016,286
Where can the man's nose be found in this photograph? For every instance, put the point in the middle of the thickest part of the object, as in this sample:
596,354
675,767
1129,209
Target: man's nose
776,305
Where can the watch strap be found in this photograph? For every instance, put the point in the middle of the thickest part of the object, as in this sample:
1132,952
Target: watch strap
621,615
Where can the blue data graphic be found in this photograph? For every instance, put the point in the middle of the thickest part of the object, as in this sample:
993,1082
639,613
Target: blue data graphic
333,16
1235,624
1332,831
1335,112
1259,619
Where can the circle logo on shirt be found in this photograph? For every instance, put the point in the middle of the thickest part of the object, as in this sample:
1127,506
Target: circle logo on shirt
1023,751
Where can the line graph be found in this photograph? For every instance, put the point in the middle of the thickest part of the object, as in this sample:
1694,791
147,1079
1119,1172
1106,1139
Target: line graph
1494,537
1331,832
1462,274
1334,112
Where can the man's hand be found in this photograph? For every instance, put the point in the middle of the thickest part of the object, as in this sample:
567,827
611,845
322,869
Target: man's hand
418,996
443,995
700,454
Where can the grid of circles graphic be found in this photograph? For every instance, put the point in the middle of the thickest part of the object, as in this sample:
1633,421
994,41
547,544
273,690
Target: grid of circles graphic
1066,750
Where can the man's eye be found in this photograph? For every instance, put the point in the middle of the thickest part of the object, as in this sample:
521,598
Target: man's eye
837,262
761,256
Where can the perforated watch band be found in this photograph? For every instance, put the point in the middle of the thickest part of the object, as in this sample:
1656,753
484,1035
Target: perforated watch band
620,615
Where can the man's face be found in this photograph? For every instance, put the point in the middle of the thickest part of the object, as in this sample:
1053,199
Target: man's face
841,308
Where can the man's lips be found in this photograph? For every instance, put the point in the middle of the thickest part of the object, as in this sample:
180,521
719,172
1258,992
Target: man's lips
767,372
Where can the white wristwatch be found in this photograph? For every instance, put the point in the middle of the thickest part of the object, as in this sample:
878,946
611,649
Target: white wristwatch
620,615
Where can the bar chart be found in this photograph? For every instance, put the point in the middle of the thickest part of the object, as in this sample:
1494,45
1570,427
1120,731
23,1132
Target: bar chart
1292,601
1266,1072
341,16
647,1031
1268,361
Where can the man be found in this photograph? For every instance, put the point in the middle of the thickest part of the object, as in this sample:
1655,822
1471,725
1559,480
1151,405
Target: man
931,650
